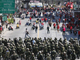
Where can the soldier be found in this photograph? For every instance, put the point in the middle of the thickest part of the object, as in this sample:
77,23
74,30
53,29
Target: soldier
73,55
18,49
36,49
20,40
77,48
52,46
7,54
28,54
48,57
4,52
1,50
22,51
45,50
53,54
32,56
40,56
14,56
64,56
69,51
49,48
15,41
0,42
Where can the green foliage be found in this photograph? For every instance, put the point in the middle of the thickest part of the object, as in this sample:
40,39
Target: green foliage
10,20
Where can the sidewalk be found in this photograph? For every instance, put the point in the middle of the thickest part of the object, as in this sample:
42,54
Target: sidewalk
13,25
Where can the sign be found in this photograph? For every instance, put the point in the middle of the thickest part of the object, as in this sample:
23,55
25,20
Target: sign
4,18
7,6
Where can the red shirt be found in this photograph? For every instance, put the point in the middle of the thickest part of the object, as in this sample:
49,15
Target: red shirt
71,28
30,18
27,12
67,25
42,23
63,25
42,19
58,27
65,19
59,20
0,28
54,24
46,19
78,32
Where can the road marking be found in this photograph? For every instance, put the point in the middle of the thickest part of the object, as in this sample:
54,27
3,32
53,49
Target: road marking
38,32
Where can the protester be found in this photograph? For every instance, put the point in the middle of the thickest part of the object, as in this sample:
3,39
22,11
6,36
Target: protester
48,29
54,25
19,22
30,19
58,27
26,33
78,34
36,27
71,29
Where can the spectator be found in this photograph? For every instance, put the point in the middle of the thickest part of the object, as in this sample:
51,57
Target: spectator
78,34
64,29
58,27
54,25
71,29
48,29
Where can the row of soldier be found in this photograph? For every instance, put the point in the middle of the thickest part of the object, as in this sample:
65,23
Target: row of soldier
41,49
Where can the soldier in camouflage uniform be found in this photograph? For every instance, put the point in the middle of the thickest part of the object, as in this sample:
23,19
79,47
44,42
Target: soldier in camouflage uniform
53,54
32,56
7,54
48,57
28,54
40,56
73,55
14,56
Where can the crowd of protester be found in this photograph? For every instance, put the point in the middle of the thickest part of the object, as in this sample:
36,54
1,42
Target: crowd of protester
50,15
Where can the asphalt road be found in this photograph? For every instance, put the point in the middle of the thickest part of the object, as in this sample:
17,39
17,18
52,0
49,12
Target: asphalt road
40,33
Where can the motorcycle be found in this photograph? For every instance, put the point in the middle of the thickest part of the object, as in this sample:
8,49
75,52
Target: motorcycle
17,27
27,24
10,28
